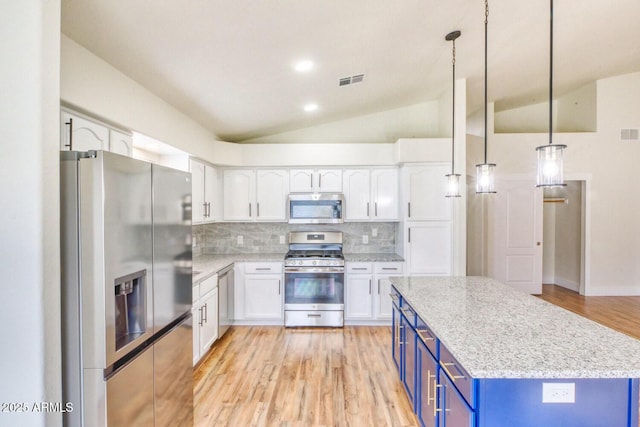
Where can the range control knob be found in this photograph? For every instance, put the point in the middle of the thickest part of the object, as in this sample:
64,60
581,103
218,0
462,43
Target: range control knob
315,262
299,262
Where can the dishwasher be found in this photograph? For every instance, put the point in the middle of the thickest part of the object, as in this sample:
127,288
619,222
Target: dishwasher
225,299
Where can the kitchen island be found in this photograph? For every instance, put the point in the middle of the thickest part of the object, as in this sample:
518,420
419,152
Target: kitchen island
471,351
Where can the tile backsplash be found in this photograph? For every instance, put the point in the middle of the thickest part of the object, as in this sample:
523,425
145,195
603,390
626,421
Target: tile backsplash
222,238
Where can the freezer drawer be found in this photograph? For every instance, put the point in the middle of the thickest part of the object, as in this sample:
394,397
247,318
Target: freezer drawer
173,373
130,393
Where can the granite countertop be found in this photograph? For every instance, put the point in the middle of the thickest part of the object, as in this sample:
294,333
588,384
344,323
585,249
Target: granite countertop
495,331
378,257
205,266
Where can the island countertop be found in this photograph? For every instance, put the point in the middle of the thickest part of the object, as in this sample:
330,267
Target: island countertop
495,331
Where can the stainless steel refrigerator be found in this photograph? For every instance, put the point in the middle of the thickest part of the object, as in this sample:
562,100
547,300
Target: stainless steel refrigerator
126,291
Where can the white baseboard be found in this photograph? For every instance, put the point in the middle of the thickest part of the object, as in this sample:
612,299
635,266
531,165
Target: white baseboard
612,291
569,284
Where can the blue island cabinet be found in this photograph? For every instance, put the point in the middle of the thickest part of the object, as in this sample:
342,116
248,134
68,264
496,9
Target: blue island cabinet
443,394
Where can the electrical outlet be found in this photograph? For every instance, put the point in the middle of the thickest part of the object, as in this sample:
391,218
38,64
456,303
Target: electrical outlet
193,241
558,392
282,240
240,240
365,239
374,232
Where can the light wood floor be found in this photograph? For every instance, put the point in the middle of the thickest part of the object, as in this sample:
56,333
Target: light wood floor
266,376
301,377
619,313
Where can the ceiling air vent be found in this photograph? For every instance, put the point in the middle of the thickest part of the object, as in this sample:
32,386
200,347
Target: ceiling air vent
629,135
357,78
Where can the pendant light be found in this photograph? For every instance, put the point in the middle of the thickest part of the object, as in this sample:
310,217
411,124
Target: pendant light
550,172
453,179
485,172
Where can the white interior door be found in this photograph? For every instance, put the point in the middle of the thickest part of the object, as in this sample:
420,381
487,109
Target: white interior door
517,231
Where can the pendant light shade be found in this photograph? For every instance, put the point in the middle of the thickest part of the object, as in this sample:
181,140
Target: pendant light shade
485,178
550,165
453,179
485,172
549,172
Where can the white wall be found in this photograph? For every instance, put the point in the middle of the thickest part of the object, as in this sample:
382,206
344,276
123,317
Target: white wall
29,255
615,247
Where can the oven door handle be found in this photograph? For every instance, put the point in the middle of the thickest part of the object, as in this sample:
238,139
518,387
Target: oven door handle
314,269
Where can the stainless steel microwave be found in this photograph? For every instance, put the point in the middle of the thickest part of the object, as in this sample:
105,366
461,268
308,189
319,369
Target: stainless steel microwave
315,208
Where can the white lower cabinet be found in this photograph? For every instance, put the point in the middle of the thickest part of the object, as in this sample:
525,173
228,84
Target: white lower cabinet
205,316
382,299
367,290
259,293
358,304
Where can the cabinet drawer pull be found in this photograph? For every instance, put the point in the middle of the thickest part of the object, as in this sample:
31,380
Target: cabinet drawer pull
422,337
390,268
257,209
375,208
407,312
436,386
369,286
249,209
263,268
453,377
359,268
313,315
409,209
367,208
394,297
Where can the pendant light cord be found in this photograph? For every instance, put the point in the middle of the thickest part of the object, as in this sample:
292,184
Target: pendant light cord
486,24
551,73
453,116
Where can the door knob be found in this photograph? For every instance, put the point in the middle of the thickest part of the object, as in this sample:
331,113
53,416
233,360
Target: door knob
537,243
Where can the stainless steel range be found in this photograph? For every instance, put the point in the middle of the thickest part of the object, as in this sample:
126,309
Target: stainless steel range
314,279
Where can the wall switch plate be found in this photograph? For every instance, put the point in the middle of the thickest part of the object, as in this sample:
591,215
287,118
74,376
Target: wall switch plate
282,240
240,240
365,239
558,392
374,232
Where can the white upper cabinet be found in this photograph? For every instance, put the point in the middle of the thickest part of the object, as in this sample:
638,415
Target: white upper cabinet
255,195
271,195
425,188
315,180
79,134
384,194
120,143
239,195
357,192
204,188
371,194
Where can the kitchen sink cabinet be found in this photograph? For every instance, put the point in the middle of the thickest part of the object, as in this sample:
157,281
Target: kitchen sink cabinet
204,184
255,195
315,180
371,194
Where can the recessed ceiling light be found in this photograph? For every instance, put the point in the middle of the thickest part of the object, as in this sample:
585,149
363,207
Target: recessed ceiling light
303,66
310,107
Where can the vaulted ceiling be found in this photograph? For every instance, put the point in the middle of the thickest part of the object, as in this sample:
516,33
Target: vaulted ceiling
228,64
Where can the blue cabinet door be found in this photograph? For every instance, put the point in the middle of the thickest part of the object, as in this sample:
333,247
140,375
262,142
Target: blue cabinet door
408,373
453,410
426,390
395,339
